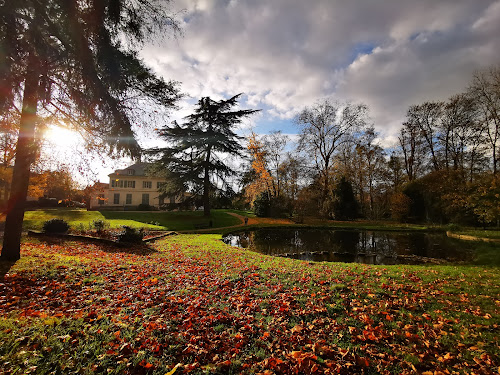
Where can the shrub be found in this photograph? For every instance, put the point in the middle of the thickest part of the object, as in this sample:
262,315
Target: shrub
452,227
130,235
400,206
144,207
280,207
261,205
80,227
344,204
55,226
99,225
266,206
170,206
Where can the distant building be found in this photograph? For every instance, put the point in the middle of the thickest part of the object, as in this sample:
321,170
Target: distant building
128,188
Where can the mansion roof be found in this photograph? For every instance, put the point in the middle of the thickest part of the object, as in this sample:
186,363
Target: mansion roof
137,169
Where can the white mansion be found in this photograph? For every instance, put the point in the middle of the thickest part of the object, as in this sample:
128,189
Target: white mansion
128,188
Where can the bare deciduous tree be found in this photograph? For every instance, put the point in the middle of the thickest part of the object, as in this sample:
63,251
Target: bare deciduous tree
427,117
413,150
324,127
275,144
485,89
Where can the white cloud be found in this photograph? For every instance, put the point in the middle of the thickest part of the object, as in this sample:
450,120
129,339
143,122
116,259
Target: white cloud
286,54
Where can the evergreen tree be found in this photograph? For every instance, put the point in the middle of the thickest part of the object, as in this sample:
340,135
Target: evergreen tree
345,206
73,61
192,156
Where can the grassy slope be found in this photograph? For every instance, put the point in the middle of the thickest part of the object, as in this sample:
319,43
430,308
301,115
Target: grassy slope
166,220
216,309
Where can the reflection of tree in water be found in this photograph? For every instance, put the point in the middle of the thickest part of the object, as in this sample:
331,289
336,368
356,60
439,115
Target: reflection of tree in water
417,244
370,247
244,239
272,241
377,244
347,241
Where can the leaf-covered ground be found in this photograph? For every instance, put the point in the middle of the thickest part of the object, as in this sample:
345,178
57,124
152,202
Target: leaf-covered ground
191,300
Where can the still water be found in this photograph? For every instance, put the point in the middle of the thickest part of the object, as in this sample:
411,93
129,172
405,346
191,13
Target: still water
370,247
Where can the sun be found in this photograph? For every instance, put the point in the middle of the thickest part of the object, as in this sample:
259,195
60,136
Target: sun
62,138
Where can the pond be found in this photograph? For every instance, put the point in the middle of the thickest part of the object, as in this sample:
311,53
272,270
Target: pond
369,247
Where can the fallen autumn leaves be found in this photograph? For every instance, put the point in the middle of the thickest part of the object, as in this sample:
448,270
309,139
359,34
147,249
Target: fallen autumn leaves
82,308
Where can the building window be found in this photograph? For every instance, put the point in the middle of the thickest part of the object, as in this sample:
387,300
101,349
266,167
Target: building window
128,199
116,183
130,172
116,198
100,199
147,184
145,198
130,184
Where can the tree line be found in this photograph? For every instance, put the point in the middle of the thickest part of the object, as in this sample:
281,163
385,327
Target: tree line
443,169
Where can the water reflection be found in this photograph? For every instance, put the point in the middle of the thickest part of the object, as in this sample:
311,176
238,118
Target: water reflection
370,247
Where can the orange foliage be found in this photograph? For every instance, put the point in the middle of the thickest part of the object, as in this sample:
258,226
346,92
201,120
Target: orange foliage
263,182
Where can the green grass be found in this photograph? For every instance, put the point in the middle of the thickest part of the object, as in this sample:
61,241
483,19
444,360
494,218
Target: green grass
181,220
247,213
81,308
77,217
175,220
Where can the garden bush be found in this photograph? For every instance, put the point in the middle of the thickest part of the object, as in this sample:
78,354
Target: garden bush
266,206
144,207
131,235
55,226
99,225
261,205
452,227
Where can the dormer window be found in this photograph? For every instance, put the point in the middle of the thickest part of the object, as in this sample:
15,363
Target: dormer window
130,172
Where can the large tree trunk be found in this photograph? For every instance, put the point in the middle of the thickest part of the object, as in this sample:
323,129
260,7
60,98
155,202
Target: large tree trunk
21,173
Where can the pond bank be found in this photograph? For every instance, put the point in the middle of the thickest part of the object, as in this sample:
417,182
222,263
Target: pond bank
467,237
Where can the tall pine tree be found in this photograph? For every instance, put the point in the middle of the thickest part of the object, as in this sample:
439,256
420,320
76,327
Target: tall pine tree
192,158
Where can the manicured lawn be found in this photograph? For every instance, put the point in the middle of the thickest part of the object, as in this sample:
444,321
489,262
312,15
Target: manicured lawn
178,220
76,218
186,220
248,213
35,219
191,300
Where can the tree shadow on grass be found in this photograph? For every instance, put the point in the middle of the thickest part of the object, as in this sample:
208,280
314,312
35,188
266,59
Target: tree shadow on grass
5,266
135,249
107,246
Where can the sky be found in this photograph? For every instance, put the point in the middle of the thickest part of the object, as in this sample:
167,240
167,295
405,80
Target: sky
284,55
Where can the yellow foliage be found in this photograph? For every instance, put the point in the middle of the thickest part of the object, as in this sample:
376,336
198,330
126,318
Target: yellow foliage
264,180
